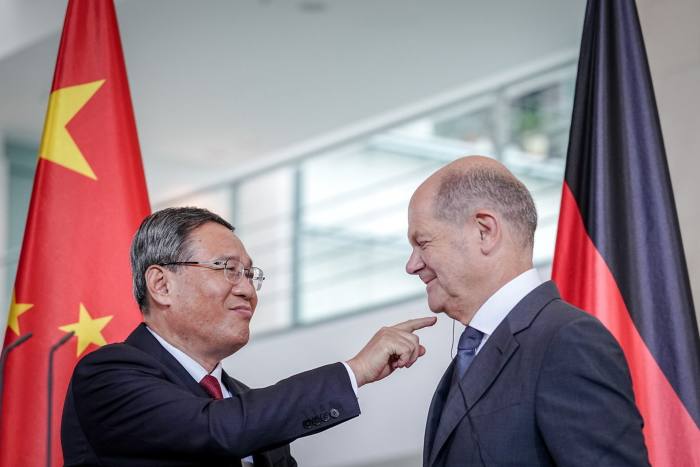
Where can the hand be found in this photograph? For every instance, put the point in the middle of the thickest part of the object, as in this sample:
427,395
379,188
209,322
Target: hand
390,348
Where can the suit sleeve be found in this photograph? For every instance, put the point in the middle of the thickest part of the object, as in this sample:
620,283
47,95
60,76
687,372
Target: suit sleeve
584,403
127,405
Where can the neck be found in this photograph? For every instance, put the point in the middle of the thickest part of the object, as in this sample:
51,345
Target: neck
208,362
499,279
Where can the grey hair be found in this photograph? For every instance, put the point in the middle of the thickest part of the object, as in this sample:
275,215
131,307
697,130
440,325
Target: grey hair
461,193
163,237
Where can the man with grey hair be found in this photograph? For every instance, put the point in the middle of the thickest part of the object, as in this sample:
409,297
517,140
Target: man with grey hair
535,381
161,398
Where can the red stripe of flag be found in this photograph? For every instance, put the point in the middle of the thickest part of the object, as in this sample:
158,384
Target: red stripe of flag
585,281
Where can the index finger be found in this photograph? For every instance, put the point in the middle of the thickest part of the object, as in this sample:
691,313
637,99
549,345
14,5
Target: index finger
415,324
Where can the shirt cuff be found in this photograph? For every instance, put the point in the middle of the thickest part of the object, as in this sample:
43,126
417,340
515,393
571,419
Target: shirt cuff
353,379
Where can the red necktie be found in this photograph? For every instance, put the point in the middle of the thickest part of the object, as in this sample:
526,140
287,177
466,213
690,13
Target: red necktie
211,385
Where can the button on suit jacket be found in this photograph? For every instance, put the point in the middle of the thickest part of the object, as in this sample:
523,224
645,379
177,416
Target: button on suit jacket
550,387
133,404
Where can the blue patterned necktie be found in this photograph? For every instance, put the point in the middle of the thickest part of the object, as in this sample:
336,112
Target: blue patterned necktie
466,350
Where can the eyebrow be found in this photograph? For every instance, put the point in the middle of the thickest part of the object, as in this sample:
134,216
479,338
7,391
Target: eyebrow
247,262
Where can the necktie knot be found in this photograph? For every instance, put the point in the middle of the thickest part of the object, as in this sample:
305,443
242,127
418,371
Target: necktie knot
470,339
211,385
466,350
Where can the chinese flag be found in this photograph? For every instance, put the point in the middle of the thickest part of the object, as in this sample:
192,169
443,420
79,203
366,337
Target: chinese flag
88,199
619,253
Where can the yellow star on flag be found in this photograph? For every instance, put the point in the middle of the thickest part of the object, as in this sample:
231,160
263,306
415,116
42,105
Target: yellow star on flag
16,309
57,144
87,330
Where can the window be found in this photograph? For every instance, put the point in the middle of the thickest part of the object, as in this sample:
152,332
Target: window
329,229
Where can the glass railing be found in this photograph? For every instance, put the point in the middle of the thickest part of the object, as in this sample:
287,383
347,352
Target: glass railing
329,227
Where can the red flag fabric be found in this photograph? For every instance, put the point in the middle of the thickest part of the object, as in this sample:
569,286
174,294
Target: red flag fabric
619,253
88,199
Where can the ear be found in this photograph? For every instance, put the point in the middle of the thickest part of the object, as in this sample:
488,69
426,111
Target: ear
490,232
158,285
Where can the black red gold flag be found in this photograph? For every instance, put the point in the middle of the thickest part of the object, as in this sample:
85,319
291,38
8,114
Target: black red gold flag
619,253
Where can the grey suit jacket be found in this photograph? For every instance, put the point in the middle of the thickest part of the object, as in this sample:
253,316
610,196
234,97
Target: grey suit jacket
550,387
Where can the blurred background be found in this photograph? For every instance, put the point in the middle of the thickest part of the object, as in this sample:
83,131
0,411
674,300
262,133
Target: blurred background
309,123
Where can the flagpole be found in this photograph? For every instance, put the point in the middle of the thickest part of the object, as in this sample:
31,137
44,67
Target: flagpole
49,393
3,356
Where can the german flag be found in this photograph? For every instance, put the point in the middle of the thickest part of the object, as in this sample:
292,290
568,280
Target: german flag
619,253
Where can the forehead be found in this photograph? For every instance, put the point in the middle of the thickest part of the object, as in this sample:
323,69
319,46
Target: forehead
212,240
421,212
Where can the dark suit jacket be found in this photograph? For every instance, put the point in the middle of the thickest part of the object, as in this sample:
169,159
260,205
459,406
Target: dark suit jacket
550,387
134,404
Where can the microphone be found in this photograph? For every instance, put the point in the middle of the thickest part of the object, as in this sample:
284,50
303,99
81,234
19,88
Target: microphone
49,393
3,356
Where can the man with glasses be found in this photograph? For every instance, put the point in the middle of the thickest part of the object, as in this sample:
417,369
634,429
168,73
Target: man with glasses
161,398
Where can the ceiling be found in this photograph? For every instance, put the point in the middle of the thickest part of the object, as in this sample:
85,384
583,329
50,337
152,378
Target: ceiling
219,84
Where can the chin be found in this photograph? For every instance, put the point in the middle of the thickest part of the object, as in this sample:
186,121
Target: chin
242,338
237,341
436,303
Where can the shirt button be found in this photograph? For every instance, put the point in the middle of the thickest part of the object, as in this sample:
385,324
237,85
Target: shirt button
335,413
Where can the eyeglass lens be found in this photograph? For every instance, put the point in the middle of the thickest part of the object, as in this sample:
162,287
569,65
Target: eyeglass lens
235,270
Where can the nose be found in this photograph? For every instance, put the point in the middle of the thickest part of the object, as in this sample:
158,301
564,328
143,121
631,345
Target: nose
244,288
415,263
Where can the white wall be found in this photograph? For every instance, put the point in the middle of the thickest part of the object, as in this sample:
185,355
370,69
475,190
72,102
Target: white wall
672,38
23,23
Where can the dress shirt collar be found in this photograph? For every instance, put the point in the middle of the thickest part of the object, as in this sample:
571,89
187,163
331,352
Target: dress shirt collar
497,307
196,370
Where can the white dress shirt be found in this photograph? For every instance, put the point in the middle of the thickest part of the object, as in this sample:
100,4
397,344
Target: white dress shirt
496,308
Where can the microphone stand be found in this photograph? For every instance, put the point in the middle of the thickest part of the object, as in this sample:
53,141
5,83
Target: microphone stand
49,392
3,356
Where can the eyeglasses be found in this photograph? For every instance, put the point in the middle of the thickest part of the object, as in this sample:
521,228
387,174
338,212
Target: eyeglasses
233,269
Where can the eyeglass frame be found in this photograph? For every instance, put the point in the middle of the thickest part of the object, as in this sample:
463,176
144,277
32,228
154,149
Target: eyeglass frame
249,273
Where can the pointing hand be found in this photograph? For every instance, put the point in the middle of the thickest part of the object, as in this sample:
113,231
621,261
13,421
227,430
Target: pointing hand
390,348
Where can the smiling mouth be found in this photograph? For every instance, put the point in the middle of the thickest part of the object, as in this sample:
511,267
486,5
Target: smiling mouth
243,311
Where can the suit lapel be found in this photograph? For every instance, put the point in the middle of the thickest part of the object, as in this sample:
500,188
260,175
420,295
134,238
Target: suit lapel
481,373
503,343
486,367
142,339
435,411
234,386
488,364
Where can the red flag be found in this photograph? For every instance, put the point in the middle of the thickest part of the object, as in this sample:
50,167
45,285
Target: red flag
88,199
619,253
